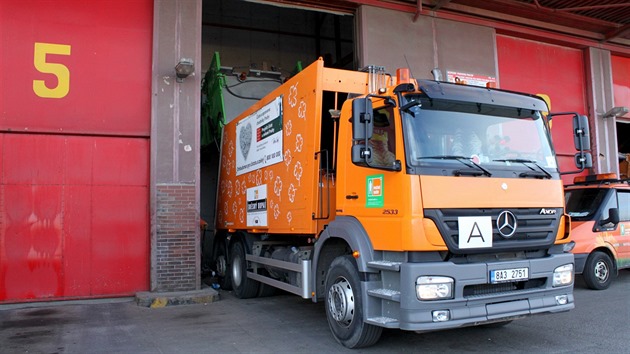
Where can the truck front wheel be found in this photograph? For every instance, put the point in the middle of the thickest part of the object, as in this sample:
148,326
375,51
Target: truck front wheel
244,288
344,303
598,271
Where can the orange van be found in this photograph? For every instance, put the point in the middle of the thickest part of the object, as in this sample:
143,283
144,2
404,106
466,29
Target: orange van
599,206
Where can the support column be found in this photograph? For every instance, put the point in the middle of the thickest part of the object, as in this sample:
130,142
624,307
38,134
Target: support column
175,246
601,99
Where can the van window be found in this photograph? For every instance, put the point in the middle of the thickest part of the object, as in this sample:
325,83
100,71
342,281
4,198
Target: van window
624,205
582,204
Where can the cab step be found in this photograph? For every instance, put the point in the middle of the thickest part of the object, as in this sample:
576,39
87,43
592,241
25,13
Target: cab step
385,322
385,265
387,294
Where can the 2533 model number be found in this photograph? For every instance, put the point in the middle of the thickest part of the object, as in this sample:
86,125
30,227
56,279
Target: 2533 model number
390,211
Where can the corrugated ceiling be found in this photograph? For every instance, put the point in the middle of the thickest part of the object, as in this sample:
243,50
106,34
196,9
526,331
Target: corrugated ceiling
605,21
608,20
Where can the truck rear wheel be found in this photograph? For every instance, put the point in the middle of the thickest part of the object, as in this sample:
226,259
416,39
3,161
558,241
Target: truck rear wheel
598,271
244,288
344,306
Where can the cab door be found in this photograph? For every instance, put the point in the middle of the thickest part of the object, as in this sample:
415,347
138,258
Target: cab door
375,193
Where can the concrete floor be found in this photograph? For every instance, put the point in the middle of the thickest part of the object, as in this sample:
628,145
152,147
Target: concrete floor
121,326
288,324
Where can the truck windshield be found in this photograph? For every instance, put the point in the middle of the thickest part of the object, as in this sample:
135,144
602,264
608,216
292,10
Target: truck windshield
497,138
582,204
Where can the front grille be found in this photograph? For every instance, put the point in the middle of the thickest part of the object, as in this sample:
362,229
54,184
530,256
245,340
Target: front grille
502,288
534,231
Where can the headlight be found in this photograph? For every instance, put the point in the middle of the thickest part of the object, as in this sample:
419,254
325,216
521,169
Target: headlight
434,288
563,275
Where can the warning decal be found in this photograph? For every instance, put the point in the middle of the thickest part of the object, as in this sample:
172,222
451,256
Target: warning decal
375,191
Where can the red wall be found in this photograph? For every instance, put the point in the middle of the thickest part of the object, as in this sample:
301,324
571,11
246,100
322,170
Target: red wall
621,81
75,99
556,71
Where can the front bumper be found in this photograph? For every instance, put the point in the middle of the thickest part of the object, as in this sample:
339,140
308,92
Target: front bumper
476,301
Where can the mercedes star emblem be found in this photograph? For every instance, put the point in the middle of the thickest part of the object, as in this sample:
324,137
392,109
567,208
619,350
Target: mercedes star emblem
506,224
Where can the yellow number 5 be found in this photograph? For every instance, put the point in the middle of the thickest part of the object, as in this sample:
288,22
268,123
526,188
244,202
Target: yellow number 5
59,70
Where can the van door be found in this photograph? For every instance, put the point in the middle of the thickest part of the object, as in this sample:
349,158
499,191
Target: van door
622,234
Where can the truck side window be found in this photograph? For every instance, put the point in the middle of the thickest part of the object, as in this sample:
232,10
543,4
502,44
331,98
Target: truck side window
383,141
624,205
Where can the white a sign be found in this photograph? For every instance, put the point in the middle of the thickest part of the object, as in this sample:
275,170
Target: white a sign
475,231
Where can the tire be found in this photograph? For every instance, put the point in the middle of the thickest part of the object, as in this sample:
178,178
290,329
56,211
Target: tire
244,288
598,271
265,290
221,266
344,306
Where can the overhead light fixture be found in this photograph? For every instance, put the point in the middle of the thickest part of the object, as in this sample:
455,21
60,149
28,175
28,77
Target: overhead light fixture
616,112
184,68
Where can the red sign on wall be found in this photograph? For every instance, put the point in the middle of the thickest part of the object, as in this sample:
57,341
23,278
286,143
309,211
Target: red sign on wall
76,66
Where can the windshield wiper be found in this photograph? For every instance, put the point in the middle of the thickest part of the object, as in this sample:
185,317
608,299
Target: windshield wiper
463,159
541,173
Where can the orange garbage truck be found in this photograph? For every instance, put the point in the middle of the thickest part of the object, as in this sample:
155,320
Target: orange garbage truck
400,203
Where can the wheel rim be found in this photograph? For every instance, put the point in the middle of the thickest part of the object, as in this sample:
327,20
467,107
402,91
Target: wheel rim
236,270
601,271
341,302
221,265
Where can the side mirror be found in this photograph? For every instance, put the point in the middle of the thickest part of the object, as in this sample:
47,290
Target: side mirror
581,135
583,160
613,217
362,122
361,154
581,140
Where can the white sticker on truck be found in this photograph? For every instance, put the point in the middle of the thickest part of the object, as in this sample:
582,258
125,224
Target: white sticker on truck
259,138
475,231
257,206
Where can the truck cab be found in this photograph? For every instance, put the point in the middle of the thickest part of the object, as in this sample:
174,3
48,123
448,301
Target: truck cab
599,206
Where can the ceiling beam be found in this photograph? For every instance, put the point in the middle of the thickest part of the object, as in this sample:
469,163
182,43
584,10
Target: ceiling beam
440,4
621,31
591,7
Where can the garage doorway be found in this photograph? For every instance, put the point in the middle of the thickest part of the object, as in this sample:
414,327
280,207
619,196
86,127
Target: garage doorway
253,47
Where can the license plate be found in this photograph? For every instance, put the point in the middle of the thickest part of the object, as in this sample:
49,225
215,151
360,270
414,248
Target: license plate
503,275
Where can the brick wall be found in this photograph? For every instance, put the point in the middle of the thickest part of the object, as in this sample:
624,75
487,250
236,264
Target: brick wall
176,247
